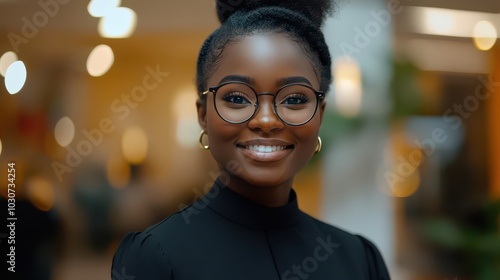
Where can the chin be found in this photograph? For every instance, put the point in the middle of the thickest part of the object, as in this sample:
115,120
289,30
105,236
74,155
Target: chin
265,179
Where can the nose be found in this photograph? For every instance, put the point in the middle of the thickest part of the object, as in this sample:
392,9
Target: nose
265,119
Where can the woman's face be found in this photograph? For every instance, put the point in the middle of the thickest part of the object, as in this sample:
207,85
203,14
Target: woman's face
268,61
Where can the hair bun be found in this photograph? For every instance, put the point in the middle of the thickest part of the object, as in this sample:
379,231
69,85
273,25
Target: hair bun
315,10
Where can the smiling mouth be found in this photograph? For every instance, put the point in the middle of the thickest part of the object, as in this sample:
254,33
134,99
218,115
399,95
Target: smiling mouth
265,153
265,149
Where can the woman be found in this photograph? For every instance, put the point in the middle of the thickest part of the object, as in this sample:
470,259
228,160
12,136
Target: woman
262,78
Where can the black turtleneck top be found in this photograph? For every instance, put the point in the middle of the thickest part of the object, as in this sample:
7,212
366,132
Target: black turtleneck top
225,236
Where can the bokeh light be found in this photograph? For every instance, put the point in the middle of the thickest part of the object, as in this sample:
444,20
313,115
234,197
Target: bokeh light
119,23
407,174
100,60
408,186
484,35
15,77
134,145
6,60
187,129
0,147
348,88
100,8
64,131
439,20
40,192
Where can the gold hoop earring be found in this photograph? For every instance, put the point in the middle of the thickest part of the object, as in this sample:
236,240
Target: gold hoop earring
200,140
318,147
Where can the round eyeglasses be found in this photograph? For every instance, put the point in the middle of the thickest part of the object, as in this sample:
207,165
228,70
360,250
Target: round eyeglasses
237,102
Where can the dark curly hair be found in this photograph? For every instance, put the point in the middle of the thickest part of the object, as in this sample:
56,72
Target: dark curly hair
301,21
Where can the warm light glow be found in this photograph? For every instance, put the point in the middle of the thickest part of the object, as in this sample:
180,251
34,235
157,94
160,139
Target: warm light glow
41,193
485,35
439,20
348,88
408,186
134,145
401,176
119,23
64,131
446,22
0,146
100,8
100,60
6,60
118,172
188,129
15,77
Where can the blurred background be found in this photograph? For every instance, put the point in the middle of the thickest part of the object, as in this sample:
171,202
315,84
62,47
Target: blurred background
97,112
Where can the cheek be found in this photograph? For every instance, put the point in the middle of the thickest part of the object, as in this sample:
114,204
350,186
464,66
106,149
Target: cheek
308,134
221,134
310,145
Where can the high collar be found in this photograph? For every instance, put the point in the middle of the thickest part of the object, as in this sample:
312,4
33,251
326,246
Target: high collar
248,213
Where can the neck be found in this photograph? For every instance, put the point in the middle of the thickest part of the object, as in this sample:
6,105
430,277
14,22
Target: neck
270,196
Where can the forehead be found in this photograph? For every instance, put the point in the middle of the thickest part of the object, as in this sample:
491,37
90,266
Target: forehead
265,58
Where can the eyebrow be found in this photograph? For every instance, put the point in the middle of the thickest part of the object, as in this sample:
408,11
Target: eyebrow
293,80
237,78
279,83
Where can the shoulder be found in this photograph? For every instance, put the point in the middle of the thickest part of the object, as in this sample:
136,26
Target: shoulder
183,223
356,247
376,264
342,236
349,244
140,255
145,255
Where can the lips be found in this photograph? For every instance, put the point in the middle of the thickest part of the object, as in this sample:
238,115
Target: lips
265,150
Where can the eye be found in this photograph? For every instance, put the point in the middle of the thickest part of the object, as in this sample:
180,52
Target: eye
295,99
236,98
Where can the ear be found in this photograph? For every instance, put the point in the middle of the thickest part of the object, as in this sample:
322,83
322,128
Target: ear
201,107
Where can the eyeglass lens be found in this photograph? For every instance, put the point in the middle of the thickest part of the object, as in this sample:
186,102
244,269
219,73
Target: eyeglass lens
294,104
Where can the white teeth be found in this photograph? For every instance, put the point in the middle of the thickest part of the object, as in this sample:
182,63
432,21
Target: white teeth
265,149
